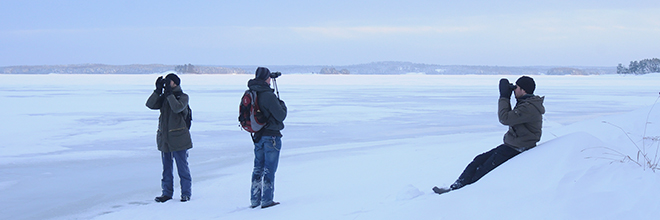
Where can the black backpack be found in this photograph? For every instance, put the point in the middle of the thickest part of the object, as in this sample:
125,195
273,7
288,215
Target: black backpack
188,117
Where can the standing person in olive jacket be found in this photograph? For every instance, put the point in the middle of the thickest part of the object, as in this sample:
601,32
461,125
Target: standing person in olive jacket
267,141
173,136
524,121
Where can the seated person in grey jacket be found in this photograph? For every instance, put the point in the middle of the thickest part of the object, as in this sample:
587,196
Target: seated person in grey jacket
524,121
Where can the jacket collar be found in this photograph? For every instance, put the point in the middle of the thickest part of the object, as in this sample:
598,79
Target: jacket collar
526,96
259,85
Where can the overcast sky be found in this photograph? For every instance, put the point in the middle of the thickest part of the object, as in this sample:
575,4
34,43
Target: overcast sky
336,32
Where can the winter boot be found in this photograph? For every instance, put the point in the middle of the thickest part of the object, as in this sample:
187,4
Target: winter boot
441,190
185,198
270,205
162,198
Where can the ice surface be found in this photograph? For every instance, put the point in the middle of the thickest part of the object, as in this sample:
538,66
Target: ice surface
354,147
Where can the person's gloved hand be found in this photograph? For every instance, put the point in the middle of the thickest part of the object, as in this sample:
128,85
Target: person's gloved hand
505,88
159,85
168,87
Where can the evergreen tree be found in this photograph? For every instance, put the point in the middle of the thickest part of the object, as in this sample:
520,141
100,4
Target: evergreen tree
640,67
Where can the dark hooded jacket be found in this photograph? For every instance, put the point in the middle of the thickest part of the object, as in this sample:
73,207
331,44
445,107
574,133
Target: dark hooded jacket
524,120
173,134
273,108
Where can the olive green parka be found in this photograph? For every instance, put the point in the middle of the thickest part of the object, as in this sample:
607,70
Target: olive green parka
173,134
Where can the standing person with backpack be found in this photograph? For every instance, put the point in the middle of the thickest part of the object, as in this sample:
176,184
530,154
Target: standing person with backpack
267,140
524,120
173,135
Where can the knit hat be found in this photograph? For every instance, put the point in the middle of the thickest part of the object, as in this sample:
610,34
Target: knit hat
262,73
174,78
526,83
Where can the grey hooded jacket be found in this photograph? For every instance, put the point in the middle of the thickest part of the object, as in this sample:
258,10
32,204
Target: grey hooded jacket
524,120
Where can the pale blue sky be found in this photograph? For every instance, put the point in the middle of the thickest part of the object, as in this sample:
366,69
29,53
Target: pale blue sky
338,32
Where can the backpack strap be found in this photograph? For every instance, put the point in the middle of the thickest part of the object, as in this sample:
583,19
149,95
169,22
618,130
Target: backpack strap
256,137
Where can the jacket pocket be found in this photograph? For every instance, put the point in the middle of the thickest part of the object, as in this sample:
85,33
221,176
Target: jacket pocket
179,139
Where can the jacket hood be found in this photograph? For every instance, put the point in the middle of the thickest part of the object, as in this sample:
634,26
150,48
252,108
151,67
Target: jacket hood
536,101
259,85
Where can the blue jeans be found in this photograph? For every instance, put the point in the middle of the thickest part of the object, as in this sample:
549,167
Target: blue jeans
167,183
266,157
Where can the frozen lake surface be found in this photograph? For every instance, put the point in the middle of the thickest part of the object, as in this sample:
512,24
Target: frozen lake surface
354,147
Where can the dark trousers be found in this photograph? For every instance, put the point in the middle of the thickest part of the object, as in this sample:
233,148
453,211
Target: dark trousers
484,163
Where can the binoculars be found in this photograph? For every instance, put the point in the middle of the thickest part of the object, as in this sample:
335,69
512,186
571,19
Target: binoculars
512,87
166,82
275,74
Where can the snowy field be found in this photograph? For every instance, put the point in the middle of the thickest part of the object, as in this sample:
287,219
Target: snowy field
354,147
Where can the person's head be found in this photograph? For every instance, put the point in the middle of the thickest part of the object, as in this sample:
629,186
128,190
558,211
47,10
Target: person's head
524,85
262,74
174,80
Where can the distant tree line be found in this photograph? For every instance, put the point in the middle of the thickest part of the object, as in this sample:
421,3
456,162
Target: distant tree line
87,69
640,67
389,67
187,68
331,70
